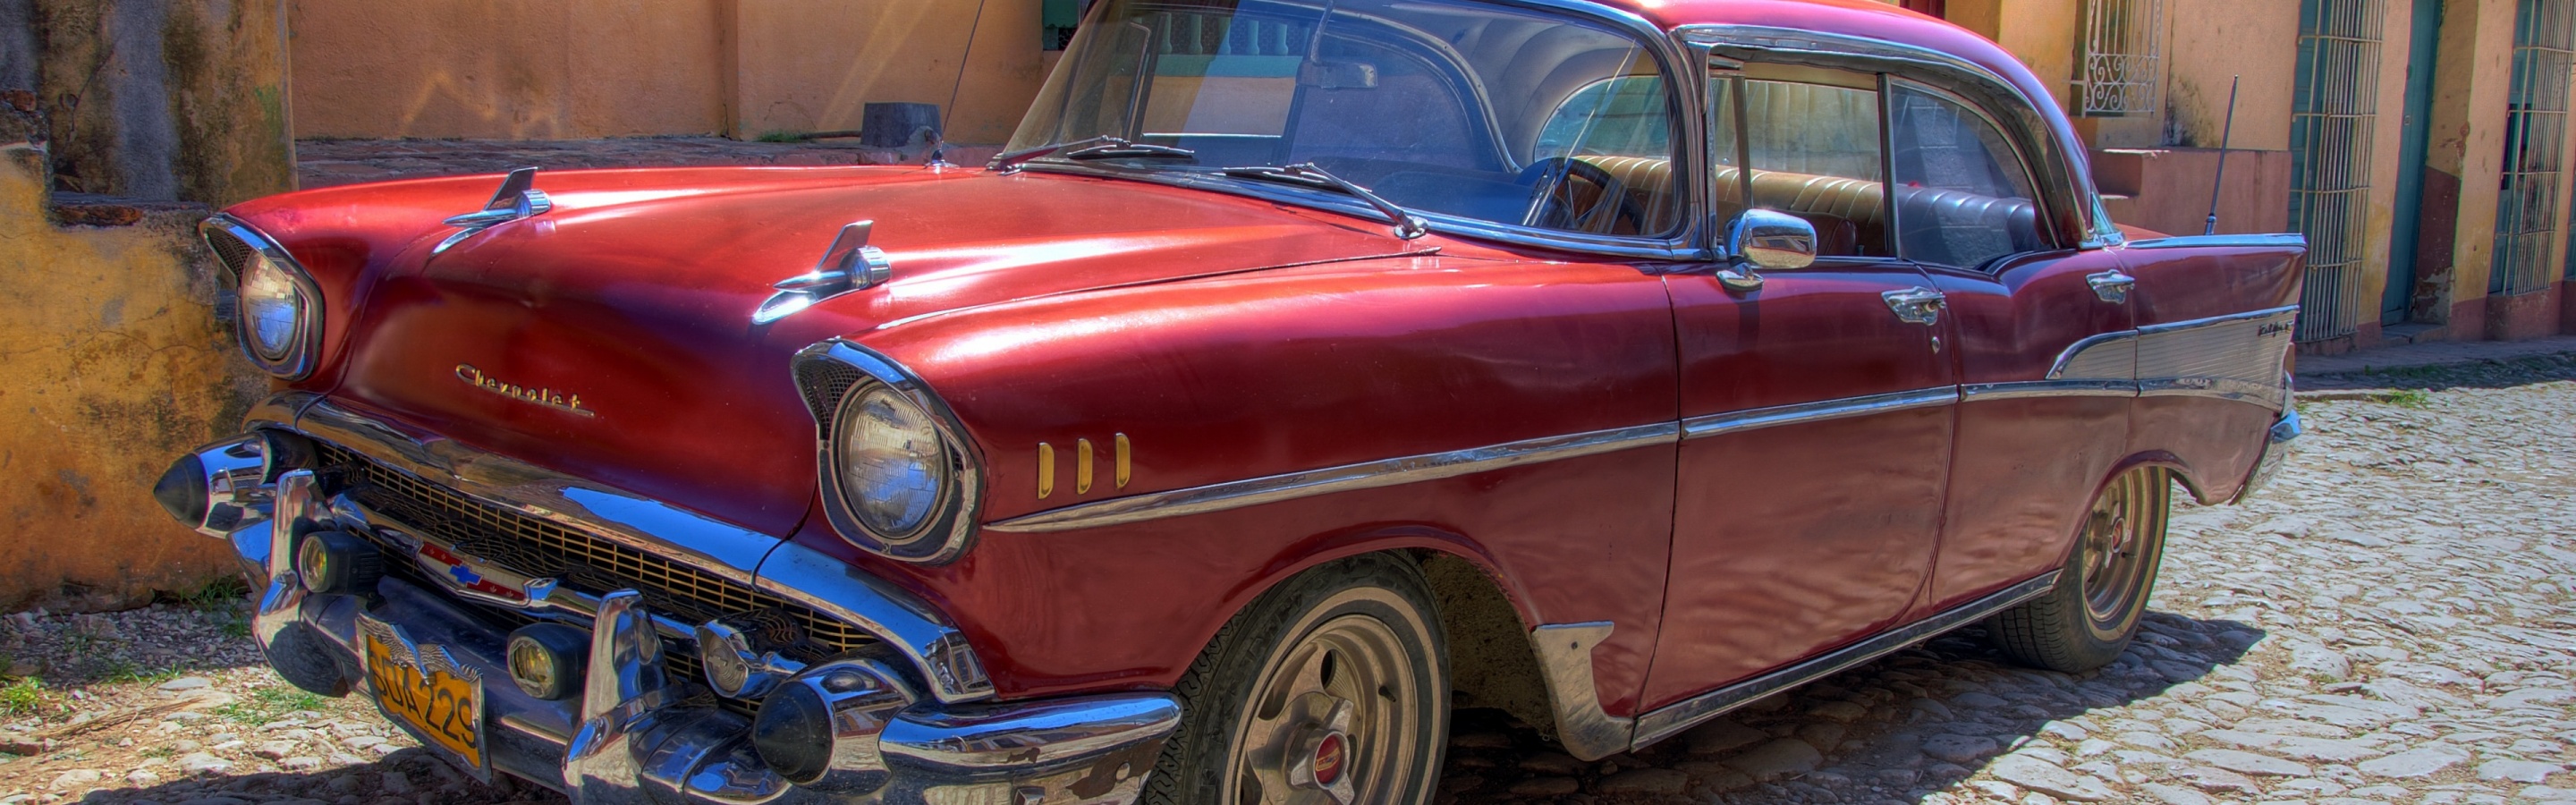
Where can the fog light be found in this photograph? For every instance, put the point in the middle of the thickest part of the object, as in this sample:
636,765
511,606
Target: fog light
547,659
337,562
819,729
734,667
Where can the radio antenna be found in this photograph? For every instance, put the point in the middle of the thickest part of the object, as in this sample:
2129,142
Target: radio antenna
939,151
2226,137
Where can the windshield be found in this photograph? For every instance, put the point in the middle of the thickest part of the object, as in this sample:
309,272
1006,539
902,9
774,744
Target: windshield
1449,108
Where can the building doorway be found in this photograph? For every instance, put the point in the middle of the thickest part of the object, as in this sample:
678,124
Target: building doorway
2422,38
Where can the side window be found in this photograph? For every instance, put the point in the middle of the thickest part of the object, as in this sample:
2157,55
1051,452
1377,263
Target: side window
1962,197
1813,152
1615,133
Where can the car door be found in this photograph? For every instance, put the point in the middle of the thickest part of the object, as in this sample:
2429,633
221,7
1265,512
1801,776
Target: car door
1816,410
2040,334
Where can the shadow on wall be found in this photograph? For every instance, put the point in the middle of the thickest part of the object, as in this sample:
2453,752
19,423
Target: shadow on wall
116,363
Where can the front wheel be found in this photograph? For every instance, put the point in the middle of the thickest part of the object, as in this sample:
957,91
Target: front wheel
2089,618
1331,688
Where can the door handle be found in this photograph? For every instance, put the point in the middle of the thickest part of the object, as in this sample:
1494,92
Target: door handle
2112,286
1916,305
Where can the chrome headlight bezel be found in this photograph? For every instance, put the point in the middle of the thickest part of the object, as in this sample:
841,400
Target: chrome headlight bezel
242,250
836,373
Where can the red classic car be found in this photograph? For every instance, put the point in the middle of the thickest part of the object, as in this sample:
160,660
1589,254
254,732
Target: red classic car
1305,369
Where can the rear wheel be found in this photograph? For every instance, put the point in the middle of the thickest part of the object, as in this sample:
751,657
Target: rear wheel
2089,618
1331,688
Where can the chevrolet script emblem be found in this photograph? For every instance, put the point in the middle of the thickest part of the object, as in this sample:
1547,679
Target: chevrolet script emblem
550,398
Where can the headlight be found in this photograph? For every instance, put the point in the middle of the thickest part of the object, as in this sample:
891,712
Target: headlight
900,478
271,309
279,321
893,467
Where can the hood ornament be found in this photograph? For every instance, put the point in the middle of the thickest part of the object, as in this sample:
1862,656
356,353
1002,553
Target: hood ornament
518,198
849,265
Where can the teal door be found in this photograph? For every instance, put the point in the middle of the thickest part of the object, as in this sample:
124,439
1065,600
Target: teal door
2409,212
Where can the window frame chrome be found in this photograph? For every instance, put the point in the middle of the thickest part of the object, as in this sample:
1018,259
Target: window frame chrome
304,354
2060,173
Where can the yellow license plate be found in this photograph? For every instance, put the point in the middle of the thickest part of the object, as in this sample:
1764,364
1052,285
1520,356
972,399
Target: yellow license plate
443,706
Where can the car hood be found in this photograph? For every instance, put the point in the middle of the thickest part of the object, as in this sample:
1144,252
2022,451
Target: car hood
611,338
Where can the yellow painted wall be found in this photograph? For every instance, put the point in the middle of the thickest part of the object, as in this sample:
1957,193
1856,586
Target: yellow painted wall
2212,40
813,65
614,68
116,365
2471,84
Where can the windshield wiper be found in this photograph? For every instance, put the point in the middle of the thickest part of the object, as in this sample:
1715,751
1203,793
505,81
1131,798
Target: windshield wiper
1407,225
1102,147
1116,148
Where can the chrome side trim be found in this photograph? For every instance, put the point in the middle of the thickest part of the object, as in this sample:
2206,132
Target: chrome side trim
2103,356
2267,240
2232,357
1348,477
1701,427
1031,734
2250,315
1564,654
795,572
1672,719
2029,389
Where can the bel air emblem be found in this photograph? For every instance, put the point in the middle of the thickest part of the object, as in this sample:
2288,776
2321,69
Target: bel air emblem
550,398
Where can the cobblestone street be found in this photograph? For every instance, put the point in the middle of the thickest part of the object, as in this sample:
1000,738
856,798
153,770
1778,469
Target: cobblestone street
2391,622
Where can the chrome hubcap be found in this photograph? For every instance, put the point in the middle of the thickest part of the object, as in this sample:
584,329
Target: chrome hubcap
2116,546
1329,721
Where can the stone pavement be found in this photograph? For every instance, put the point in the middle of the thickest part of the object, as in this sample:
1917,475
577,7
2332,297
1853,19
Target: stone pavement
2394,621
324,163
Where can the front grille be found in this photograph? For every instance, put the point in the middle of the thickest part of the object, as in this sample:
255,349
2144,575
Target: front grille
584,563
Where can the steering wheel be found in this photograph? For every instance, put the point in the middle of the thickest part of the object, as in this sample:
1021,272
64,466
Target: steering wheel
1555,209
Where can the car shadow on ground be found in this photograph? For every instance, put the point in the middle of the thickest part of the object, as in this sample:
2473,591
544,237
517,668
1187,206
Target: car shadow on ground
1920,720
2481,375
1894,730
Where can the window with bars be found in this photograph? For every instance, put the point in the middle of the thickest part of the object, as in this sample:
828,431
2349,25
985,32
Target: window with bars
2535,146
2331,117
2116,71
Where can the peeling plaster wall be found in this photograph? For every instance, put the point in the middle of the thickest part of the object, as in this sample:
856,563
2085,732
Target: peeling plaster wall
116,364
162,100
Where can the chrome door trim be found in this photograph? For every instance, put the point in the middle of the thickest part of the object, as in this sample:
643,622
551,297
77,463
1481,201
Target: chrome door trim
1348,477
1701,427
2030,389
1669,720
739,555
2265,240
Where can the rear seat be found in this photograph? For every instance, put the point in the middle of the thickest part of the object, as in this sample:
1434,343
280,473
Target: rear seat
1841,208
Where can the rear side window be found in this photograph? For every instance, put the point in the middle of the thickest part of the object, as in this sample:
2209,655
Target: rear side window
1963,197
1813,152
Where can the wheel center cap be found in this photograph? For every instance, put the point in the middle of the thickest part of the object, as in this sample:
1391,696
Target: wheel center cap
1331,754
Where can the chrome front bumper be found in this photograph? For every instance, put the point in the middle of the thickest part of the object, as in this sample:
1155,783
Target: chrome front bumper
633,733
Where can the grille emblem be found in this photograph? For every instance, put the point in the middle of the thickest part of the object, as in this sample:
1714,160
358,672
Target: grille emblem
550,398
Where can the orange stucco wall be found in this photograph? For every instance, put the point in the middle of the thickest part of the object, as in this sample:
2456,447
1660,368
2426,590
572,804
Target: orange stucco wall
618,68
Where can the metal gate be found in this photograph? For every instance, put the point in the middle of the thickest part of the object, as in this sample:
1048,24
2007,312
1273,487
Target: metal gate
2123,47
2535,147
2331,119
